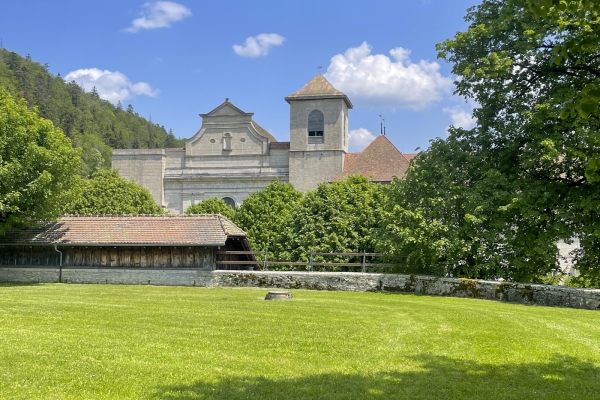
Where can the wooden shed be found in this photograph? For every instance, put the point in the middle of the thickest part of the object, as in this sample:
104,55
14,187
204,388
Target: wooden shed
125,241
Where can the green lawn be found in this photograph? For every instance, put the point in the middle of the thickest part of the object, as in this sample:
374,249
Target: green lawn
147,342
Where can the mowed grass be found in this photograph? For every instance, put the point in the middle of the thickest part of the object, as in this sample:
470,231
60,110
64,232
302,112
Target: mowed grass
146,342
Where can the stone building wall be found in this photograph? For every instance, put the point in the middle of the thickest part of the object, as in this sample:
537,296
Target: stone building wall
229,157
309,168
311,164
144,166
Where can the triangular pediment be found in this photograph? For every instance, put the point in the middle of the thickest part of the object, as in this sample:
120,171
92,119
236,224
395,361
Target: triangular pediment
226,108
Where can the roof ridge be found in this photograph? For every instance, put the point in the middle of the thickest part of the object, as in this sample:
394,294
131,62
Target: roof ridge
101,230
220,218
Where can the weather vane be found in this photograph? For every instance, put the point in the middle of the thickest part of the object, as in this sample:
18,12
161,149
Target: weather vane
319,68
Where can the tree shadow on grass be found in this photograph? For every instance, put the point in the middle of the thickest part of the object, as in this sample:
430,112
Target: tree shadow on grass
562,377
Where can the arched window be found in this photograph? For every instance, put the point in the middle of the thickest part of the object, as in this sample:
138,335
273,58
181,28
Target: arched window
227,142
229,201
316,126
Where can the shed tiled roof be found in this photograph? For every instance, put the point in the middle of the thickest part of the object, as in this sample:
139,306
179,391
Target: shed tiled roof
381,161
201,229
318,88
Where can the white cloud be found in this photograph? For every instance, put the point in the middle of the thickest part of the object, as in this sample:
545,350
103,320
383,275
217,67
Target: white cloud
460,118
359,139
160,14
111,86
258,45
376,80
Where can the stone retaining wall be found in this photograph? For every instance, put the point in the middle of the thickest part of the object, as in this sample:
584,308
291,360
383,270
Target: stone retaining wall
343,281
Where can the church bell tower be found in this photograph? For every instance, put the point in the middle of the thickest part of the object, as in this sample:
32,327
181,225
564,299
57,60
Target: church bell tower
318,133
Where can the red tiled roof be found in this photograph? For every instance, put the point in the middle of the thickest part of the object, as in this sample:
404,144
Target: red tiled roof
381,161
350,157
410,156
204,229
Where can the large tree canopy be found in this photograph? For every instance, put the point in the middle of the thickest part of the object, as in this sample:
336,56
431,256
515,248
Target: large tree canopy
37,165
337,217
108,193
495,199
212,206
264,215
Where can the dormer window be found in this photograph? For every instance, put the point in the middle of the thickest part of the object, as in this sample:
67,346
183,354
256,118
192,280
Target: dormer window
227,142
316,127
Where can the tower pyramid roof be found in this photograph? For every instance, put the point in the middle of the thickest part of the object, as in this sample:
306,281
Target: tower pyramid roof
318,88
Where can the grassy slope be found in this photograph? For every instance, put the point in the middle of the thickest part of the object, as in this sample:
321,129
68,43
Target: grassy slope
109,342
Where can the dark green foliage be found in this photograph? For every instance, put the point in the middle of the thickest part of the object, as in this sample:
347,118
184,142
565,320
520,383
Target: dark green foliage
37,165
264,215
336,217
107,193
493,201
81,115
212,206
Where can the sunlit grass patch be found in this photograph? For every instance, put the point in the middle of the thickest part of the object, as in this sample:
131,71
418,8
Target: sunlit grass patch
107,342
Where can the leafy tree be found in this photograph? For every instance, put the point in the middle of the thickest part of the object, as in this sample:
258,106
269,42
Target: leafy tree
495,199
108,193
265,214
456,215
212,206
579,22
337,217
37,165
95,154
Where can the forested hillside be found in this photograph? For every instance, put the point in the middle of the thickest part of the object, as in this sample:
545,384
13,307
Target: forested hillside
93,124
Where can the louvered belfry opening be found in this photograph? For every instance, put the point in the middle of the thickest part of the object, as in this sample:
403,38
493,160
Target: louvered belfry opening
316,127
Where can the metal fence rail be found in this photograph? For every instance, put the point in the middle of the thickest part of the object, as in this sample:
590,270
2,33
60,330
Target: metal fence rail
310,264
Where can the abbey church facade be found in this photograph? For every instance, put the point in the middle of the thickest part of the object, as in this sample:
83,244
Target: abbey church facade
231,156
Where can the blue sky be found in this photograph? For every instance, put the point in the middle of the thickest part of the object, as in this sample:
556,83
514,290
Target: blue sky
175,60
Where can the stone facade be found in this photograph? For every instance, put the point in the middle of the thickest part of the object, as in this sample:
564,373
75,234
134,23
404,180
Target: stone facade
231,156
312,163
